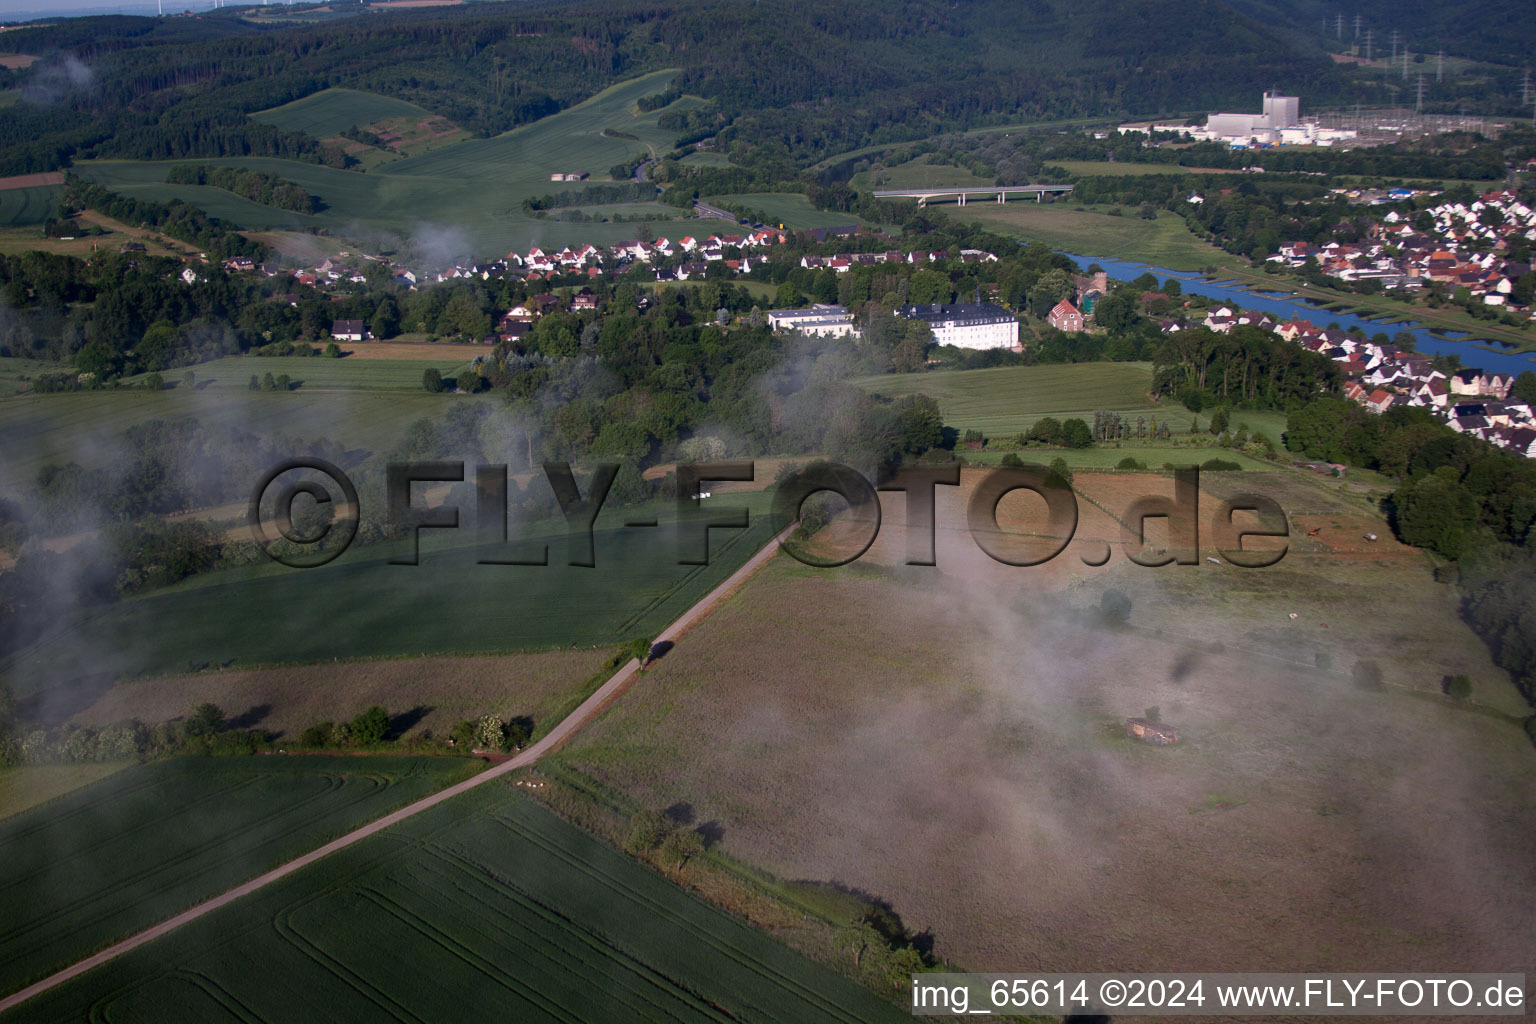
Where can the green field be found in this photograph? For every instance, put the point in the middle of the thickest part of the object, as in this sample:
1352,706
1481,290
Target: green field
650,211
69,427
332,111
1008,400
1164,242
16,374
469,192
361,606
484,906
318,373
791,209
26,786
706,158
22,207
121,854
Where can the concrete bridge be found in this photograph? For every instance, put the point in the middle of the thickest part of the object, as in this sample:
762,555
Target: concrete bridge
924,195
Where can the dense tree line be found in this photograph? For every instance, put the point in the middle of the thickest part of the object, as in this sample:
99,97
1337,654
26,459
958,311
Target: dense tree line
594,195
266,189
1247,366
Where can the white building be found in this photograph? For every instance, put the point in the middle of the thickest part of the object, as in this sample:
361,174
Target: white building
970,326
821,321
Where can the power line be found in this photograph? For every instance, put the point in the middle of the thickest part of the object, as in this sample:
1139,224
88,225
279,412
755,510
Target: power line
1369,38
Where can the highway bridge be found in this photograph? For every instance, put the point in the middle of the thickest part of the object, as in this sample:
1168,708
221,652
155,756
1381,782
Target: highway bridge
1002,192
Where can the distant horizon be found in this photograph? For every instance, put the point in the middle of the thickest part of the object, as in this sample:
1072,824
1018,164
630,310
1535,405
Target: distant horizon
33,10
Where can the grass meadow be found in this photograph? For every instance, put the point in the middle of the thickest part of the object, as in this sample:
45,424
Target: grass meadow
465,198
85,427
362,606
949,739
26,786
330,112
351,373
1009,400
921,174
486,900
23,207
134,848
1164,242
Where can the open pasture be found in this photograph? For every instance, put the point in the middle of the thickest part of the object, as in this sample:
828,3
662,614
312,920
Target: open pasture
1009,400
87,427
363,606
486,900
330,112
130,850
949,739
1164,242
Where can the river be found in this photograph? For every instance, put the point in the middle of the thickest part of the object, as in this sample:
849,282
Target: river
1285,306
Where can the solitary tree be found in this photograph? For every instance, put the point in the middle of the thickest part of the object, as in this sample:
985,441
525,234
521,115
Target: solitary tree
858,937
682,845
640,648
432,380
647,830
371,726
205,720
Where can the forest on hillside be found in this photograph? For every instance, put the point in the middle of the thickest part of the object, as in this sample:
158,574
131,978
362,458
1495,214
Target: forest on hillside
818,79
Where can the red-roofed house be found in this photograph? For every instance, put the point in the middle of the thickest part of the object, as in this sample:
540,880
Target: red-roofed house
1065,317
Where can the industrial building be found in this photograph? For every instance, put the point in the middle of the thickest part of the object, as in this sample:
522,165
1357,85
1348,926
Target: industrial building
1279,124
978,326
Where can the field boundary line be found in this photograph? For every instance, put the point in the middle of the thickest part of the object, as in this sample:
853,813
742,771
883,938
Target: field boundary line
552,741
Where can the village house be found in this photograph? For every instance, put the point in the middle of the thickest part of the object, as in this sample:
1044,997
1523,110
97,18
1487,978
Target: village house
349,330
1065,317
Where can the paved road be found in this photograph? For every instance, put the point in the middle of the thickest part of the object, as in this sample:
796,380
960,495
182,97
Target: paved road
705,210
552,741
